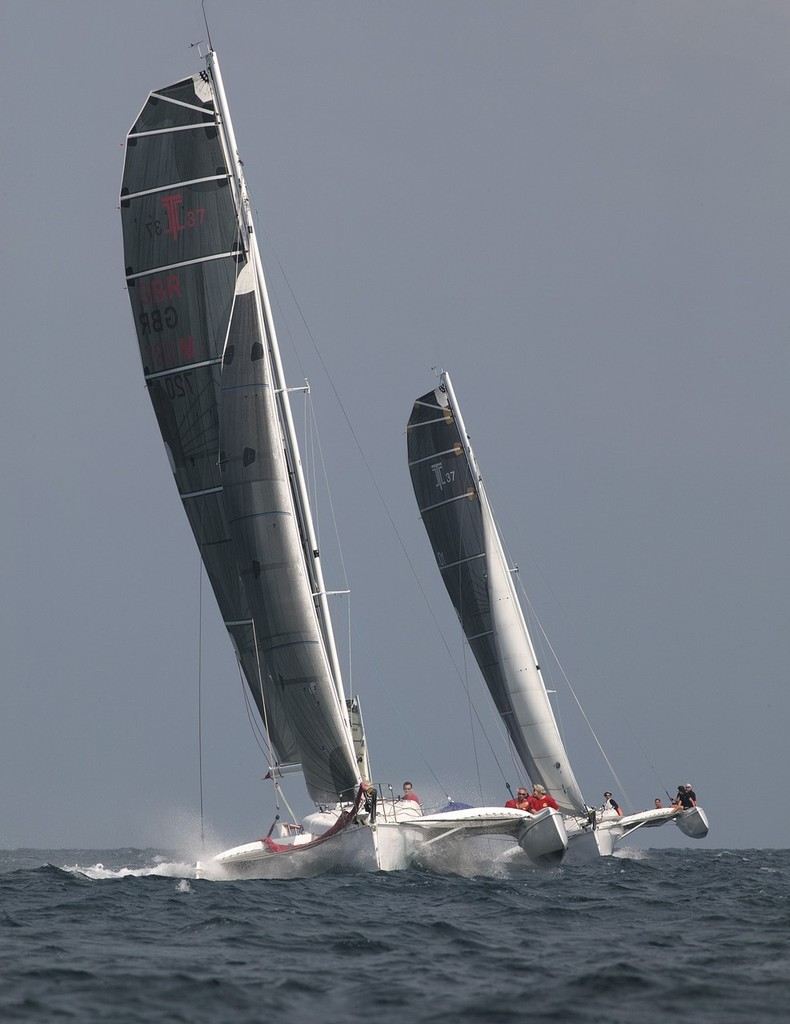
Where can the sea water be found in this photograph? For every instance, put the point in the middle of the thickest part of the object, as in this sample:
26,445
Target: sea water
128,936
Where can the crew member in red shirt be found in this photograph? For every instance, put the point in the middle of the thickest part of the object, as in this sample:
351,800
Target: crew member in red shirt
521,801
408,793
540,799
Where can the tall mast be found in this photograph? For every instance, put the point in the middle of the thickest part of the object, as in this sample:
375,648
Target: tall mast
299,484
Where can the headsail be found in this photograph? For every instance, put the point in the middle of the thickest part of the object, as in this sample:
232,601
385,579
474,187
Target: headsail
212,367
468,550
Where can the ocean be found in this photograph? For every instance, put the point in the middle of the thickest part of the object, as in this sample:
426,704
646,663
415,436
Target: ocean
127,936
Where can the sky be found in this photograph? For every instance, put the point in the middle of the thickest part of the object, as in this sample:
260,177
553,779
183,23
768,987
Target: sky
579,209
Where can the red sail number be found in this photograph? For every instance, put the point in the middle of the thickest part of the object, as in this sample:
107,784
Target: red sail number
177,219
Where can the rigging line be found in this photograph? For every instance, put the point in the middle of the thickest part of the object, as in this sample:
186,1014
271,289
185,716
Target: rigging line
255,725
313,431
205,20
472,476
626,721
349,662
201,545
471,720
465,680
264,714
573,694
316,433
385,507
279,792
598,674
403,722
200,696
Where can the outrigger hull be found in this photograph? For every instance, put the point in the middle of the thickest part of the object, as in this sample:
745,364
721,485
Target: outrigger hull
587,842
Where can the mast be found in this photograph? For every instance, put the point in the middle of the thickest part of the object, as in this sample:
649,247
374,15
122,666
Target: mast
310,542
457,516
213,370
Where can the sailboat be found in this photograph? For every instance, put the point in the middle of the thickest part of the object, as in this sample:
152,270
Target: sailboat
470,556
213,370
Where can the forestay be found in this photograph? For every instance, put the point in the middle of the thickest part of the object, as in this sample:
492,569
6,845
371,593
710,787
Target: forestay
468,551
211,365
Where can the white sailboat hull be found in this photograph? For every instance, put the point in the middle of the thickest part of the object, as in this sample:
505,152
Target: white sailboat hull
586,843
544,838
352,850
403,838
693,823
395,842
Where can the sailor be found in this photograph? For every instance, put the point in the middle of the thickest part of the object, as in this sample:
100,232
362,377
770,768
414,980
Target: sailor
521,801
540,799
408,793
686,797
657,802
610,804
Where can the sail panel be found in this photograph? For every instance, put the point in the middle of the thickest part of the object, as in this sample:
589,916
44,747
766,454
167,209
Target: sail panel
181,314
450,509
178,224
185,113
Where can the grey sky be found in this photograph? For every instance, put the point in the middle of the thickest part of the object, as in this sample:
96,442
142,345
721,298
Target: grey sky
580,209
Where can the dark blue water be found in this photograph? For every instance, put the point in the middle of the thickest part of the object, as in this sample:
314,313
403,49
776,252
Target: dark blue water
655,936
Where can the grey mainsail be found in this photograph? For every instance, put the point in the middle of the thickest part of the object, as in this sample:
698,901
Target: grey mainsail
211,364
468,551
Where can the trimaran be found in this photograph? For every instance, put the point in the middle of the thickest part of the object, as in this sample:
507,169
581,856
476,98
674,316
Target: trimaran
457,516
213,370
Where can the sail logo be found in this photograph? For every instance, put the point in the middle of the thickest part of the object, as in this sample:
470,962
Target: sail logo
171,205
442,477
177,219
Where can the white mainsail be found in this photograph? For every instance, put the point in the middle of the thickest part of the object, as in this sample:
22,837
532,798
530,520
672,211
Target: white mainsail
213,369
457,516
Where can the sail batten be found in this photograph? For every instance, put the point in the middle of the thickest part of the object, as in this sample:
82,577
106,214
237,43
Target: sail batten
232,254
175,184
211,365
448,501
181,366
450,451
